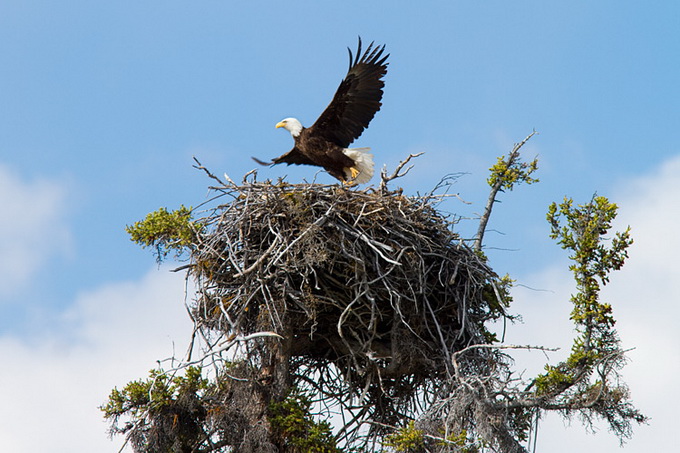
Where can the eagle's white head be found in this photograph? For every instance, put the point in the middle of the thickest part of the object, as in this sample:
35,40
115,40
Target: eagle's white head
292,125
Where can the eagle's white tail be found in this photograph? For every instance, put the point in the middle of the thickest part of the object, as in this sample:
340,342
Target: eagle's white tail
363,163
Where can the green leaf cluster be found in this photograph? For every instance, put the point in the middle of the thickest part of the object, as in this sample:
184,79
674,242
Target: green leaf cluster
166,231
583,230
497,295
151,395
508,171
294,425
462,443
406,439
164,413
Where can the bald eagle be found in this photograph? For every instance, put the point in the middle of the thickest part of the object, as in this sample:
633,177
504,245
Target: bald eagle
356,101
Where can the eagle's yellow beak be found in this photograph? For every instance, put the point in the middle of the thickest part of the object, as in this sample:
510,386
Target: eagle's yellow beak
280,124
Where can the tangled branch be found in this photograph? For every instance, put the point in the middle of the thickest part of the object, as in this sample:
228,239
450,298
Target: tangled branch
372,291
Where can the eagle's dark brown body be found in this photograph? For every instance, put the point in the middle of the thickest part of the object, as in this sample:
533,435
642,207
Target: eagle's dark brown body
311,149
356,101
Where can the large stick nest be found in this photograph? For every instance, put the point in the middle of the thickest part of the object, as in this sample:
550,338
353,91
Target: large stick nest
372,291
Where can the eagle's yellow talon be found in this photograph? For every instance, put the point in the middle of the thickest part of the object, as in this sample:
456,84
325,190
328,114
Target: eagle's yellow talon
354,172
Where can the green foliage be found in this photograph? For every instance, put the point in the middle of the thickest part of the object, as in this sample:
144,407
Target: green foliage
166,412
508,171
462,443
583,231
138,395
294,425
555,379
505,173
498,295
166,231
406,439
152,394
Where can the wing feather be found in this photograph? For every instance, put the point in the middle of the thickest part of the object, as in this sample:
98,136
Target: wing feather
356,100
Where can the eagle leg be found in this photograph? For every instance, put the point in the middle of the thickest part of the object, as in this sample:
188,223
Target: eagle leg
350,182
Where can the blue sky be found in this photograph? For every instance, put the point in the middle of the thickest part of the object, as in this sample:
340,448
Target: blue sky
103,105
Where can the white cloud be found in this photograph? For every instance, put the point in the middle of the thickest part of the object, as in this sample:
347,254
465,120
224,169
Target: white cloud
646,300
32,227
53,385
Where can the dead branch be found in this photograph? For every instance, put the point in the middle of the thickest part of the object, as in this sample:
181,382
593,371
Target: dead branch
384,179
511,161
200,166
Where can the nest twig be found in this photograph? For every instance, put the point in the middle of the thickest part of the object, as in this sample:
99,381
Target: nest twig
372,292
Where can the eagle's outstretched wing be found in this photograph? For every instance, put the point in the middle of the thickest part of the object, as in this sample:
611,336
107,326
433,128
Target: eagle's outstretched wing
294,156
357,99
